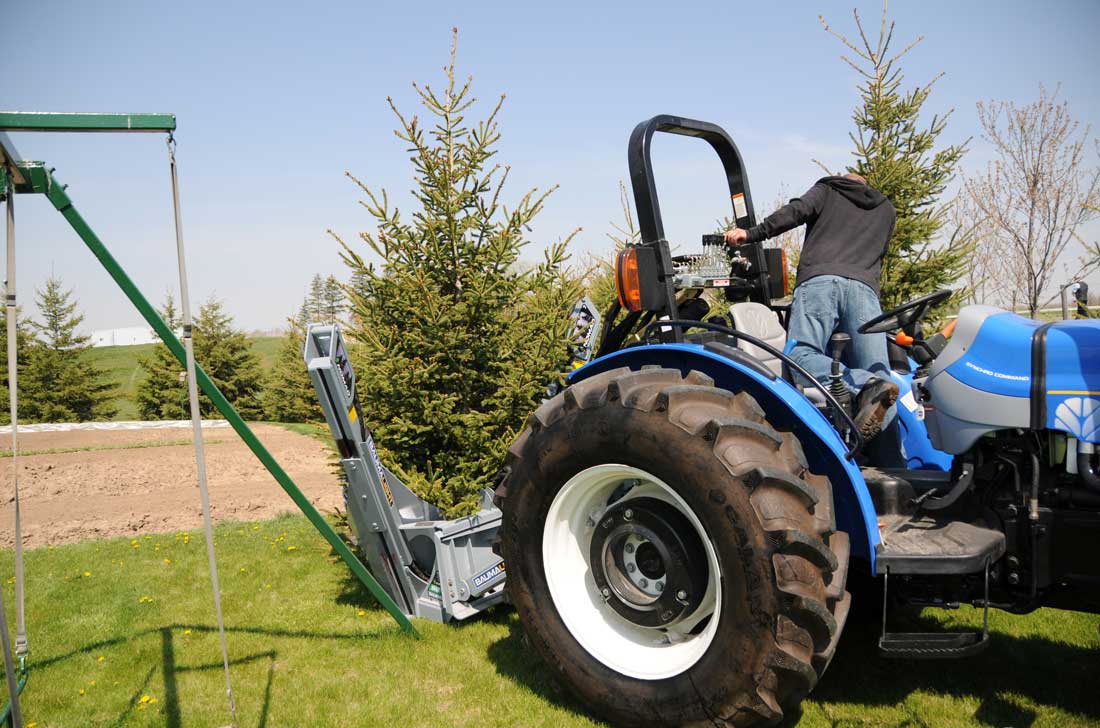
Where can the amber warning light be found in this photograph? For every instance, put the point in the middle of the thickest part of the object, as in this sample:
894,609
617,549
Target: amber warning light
627,282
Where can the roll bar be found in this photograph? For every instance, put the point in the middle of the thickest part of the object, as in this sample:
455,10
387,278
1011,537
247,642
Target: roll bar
641,170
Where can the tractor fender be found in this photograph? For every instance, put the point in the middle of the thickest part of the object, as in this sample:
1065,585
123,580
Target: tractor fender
786,408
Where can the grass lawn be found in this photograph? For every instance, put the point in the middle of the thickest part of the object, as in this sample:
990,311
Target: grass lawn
122,634
121,367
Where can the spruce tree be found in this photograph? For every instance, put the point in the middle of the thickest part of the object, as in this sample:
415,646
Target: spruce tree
333,301
288,394
225,355
60,383
899,155
301,319
24,342
315,301
454,339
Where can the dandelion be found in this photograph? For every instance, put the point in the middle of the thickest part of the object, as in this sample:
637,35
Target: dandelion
187,631
81,691
87,573
362,612
146,699
267,586
291,548
243,570
146,600
168,561
100,658
92,683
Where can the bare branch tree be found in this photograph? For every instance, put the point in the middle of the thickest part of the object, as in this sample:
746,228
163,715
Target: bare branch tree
1037,192
983,268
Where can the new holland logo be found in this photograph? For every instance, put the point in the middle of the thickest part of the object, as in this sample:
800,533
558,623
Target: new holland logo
1079,416
488,575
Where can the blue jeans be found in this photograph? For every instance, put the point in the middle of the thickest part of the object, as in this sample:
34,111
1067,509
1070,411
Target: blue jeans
826,304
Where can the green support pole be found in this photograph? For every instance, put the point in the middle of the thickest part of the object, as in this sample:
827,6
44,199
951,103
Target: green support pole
6,717
40,180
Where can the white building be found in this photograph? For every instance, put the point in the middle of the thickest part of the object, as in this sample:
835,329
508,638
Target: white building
127,336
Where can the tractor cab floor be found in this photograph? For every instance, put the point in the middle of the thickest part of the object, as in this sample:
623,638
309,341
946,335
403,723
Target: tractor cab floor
923,544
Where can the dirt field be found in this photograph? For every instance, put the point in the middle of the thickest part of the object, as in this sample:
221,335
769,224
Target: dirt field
143,481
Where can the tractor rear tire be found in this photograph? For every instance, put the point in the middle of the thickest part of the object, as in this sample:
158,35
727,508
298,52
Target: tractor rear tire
613,445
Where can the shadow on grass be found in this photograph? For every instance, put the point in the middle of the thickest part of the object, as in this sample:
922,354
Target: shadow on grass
170,670
1046,672
514,658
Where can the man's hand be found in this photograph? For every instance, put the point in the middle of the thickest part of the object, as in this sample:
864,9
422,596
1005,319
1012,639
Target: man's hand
736,236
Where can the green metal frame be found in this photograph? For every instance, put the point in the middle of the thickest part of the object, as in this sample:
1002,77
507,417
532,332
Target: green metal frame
53,121
6,716
36,178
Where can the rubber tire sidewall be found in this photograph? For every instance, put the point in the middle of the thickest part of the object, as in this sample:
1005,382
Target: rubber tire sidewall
613,433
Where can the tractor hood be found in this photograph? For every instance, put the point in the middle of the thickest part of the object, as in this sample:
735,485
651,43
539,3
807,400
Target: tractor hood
1001,370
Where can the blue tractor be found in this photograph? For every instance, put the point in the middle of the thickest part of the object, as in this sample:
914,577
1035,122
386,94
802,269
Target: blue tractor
680,523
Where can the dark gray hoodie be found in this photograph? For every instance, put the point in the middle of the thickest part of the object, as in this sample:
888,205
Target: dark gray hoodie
848,226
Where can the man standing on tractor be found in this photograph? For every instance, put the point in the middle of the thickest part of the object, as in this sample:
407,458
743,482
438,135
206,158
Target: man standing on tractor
848,226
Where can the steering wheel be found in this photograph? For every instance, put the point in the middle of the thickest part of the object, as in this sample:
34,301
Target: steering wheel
906,315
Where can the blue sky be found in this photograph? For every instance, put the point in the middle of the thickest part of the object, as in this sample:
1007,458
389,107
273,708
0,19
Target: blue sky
276,100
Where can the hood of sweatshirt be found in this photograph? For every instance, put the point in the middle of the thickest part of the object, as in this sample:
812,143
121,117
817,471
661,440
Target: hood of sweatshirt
859,194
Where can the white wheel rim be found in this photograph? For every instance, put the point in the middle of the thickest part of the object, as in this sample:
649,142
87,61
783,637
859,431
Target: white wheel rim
639,652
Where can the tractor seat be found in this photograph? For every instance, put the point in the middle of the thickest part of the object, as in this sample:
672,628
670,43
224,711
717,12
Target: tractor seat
756,319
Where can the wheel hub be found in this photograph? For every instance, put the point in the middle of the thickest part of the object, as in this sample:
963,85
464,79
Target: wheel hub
648,562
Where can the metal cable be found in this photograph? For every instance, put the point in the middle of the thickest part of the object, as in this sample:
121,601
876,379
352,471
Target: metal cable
13,401
196,426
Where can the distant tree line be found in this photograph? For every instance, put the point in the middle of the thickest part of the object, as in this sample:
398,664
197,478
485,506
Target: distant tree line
59,380
285,394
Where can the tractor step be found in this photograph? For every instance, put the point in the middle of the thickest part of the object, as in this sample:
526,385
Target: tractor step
933,645
925,544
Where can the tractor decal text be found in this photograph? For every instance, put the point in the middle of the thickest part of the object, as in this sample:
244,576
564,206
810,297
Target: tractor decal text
489,574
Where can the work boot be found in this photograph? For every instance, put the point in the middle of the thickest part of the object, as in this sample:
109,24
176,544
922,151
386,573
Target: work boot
872,402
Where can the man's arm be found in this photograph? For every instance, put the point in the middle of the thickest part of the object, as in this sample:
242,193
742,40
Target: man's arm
797,212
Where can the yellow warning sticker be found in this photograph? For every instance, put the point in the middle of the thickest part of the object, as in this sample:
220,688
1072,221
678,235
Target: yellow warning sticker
386,487
353,414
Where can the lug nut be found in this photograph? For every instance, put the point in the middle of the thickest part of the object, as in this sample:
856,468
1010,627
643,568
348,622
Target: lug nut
629,548
660,586
628,514
1014,578
605,592
643,582
631,568
666,615
682,595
